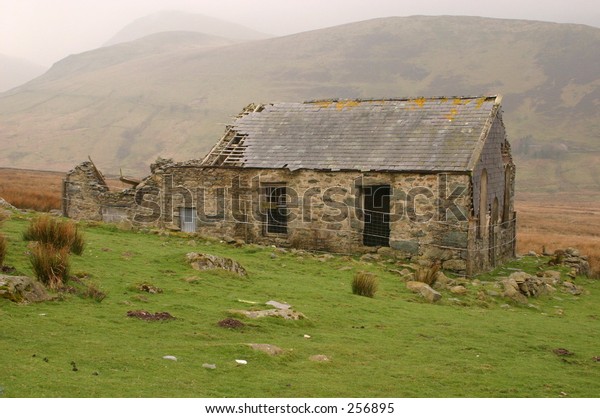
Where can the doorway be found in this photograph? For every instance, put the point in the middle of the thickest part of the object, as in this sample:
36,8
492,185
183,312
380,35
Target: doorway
376,205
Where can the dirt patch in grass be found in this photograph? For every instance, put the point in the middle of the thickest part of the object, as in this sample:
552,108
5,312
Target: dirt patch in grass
147,316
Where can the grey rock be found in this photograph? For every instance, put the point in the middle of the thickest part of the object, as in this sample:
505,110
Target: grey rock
209,366
201,262
22,289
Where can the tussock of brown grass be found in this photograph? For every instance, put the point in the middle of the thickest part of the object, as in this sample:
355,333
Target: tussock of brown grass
50,265
365,284
61,234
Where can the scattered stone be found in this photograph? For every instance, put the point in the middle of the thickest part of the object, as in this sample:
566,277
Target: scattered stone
572,258
442,281
22,289
307,336
273,256
319,358
572,289
241,362
369,258
458,290
281,313
278,305
597,358
228,239
148,288
172,358
424,290
345,268
511,291
147,316
562,352
230,323
200,261
209,366
532,253
4,204
270,349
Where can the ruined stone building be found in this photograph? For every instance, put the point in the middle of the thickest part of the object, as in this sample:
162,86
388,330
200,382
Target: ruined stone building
430,178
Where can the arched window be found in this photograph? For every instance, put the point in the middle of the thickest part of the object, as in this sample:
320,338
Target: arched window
483,187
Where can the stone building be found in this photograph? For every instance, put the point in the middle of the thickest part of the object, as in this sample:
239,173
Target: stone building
430,178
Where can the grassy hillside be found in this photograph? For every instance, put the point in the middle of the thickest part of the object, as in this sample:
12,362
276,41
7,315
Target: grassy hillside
127,107
393,345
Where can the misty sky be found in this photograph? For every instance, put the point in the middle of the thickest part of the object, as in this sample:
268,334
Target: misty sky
44,31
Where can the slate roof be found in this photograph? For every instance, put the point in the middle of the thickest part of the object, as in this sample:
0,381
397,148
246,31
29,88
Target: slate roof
416,134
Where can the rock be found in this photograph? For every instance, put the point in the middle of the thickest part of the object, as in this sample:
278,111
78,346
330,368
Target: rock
386,252
571,288
146,287
281,313
442,281
270,349
455,265
209,366
278,305
173,358
532,253
511,291
307,336
562,352
424,290
147,316
414,286
241,362
200,261
369,258
519,276
22,289
458,290
551,277
319,358
228,239
5,205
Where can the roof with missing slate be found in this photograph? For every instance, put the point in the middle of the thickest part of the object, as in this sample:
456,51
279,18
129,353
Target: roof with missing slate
419,134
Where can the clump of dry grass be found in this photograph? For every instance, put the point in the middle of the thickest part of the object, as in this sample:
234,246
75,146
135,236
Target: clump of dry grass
427,275
50,264
60,234
365,284
3,247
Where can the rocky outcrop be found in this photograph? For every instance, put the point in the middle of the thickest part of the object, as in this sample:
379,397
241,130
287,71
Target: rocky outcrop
424,290
520,285
200,261
572,258
22,289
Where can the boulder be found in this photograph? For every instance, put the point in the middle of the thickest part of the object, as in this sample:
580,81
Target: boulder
458,290
511,291
424,290
270,349
200,261
22,289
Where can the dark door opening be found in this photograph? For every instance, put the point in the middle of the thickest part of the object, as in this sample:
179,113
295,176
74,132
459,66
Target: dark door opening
276,210
376,204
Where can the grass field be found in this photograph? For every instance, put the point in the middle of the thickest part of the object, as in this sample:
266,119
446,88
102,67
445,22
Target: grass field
392,345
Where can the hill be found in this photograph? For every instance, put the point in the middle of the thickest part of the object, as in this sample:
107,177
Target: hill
16,71
125,106
175,21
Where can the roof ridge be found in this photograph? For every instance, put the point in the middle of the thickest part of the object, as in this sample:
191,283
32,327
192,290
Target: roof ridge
404,99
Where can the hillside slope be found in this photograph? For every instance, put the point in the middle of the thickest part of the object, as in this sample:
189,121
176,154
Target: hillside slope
174,99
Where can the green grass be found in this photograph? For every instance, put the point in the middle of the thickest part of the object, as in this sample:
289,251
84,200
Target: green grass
392,345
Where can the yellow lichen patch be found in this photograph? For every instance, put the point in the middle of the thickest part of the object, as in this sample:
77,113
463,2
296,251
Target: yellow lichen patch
346,103
324,104
458,101
452,114
420,101
481,101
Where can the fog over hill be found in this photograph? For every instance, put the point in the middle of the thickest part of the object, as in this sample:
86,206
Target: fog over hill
171,94
167,21
16,71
